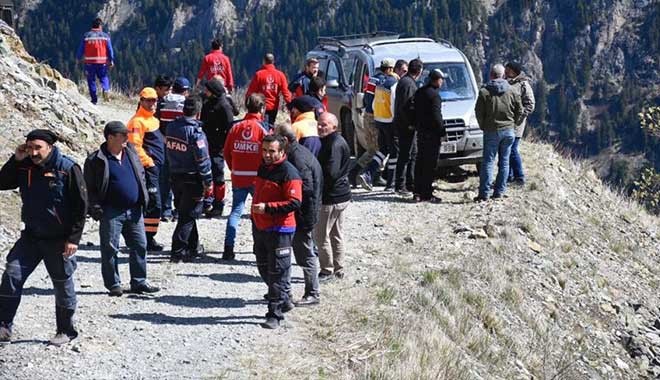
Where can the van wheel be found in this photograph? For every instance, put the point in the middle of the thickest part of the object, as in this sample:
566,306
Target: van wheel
348,131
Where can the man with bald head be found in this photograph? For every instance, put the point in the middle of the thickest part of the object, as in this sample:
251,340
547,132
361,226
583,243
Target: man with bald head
272,83
307,215
54,206
335,159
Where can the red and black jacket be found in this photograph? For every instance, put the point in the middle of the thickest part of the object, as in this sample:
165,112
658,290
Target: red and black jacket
279,186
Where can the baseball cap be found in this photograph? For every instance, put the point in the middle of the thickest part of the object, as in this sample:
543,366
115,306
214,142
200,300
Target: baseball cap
181,84
114,127
148,93
437,74
387,63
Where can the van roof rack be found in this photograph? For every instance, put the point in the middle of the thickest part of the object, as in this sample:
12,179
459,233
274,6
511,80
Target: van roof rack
357,40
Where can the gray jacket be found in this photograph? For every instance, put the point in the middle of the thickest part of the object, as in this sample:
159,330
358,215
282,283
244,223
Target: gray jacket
521,86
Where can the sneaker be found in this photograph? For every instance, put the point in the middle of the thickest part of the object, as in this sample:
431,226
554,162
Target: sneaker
404,192
61,339
388,189
271,323
308,300
194,255
325,277
144,287
5,335
363,181
288,306
339,275
116,291
154,246
106,97
499,196
228,253
480,198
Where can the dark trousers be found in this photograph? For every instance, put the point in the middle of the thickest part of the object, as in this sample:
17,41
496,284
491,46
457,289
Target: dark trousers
152,211
165,189
217,198
389,145
129,224
273,252
428,145
308,259
405,165
22,260
188,200
271,116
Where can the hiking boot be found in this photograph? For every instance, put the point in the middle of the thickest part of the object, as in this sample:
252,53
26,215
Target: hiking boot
363,181
308,300
480,198
228,253
116,291
154,246
325,277
288,306
271,323
144,287
499,196
5,335
62,338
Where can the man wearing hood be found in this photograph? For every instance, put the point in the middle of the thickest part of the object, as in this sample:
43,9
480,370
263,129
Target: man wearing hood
520,83
217,117
498,109
272,83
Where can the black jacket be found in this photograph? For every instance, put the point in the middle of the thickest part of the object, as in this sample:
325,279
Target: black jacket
335,160
54,196
428,110
312,177
97,177
217,117
405,91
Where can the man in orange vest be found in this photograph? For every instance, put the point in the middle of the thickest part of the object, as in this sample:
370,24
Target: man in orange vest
145,135
95,50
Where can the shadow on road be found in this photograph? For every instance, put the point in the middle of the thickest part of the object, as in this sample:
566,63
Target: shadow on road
163,319
227,277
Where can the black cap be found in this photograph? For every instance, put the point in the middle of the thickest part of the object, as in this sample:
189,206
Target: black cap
515,67
192,105
113,128
42,134
303,103
436,74
215,87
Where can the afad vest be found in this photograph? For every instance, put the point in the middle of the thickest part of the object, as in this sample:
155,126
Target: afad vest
46,209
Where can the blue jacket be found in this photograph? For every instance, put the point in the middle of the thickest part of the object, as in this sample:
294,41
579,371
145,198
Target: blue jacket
187,148
54,196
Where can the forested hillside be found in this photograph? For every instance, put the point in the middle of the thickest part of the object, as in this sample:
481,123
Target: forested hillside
594,64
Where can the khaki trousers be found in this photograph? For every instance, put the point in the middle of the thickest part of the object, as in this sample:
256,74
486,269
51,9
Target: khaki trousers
329,237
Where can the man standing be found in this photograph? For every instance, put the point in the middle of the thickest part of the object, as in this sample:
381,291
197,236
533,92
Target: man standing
335,159
307,216
303,118
272,83
54,207
95,50
242,153
404,127
216,63
430,131
217,117
299,86
144,133
117,194
172,107
190,165
277,196
498,109
520,83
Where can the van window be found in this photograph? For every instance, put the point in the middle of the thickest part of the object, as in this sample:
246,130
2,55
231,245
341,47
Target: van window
349,69
361,77
332,73
457,86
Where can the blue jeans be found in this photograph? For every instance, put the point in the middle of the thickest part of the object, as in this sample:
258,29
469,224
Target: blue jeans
129,224
238,197
496,143
515,163
100,71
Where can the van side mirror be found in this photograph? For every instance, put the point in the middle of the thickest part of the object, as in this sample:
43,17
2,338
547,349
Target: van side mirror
332,83
359,100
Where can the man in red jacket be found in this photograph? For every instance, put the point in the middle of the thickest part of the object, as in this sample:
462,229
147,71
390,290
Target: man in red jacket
272,83
242,153
216,63
277,196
